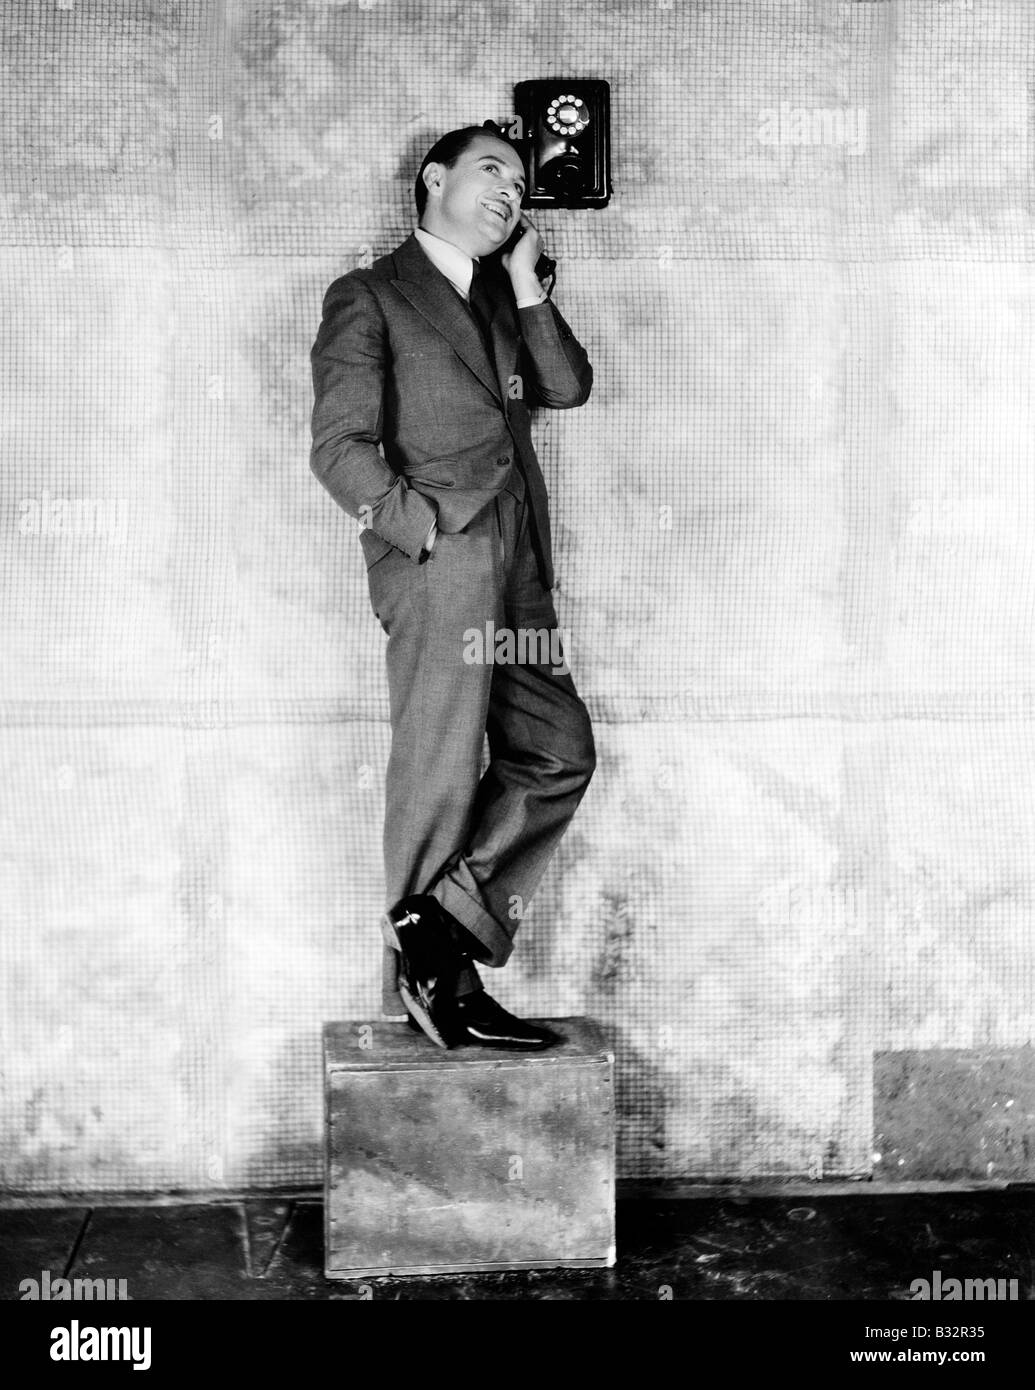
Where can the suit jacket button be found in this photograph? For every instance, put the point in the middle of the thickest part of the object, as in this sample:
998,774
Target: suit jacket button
503,460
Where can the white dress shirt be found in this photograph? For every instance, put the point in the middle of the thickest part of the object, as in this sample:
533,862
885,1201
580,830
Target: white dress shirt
458,268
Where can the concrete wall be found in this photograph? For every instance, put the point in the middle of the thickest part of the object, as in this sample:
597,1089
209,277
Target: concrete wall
793,532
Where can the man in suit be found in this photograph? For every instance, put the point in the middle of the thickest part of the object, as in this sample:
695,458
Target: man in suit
424,368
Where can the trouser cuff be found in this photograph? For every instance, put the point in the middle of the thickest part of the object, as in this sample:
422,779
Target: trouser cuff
495,944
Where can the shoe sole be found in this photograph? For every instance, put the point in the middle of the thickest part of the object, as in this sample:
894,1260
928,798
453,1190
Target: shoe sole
508,1044
414,1007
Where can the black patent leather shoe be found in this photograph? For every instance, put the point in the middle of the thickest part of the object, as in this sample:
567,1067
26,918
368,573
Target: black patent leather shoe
429,963
480,1020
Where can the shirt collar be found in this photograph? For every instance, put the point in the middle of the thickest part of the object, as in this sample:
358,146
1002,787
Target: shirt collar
456,265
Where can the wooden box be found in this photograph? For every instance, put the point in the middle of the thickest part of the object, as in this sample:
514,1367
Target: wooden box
469,1159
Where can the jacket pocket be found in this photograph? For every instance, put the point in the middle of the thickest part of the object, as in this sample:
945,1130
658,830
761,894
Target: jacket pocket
443,467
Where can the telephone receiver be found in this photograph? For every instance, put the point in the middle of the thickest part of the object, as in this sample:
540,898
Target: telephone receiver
545,266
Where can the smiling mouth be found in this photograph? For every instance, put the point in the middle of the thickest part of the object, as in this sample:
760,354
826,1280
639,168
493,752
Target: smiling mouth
498,208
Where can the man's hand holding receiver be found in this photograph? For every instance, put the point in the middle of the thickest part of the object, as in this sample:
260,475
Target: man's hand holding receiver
520,264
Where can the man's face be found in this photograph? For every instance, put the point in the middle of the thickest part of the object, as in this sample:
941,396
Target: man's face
476,204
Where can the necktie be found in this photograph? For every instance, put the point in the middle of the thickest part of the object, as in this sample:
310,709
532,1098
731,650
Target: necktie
481,308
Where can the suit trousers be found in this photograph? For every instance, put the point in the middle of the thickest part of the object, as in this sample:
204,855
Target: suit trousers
476,836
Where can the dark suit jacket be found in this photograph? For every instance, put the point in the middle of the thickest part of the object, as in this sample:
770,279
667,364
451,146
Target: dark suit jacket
399,363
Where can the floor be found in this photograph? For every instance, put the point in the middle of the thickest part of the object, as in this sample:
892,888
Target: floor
735,1245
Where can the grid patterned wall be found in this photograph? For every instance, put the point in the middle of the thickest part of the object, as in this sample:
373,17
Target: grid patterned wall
793,540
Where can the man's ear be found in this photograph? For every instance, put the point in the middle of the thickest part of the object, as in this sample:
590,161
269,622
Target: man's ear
433,179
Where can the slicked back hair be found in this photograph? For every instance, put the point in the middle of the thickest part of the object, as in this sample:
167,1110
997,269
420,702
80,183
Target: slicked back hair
446,150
